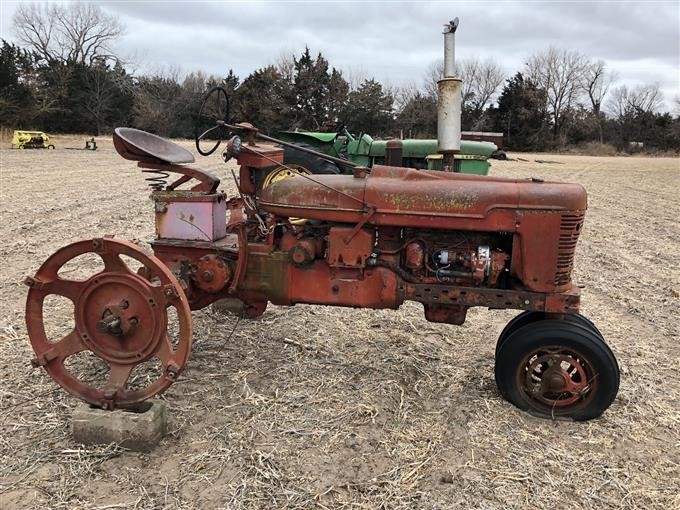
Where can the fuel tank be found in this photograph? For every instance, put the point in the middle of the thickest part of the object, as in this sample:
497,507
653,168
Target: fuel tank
406,197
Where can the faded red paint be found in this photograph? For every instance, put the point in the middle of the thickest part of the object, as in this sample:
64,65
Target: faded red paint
414,257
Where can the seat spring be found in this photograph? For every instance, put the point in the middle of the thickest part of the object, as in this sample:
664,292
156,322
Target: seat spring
156,182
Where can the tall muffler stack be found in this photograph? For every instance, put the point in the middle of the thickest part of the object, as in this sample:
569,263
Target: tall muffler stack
449,101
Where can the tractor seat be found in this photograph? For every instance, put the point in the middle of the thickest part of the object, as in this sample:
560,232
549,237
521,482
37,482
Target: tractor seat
138,145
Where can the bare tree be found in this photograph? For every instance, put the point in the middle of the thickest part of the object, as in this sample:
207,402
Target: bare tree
75,32
195,83
646,98
487,78
596,82
481,82
435,72
355,77
627,102
466,70
155,101
560,73
404,95
416,112
285,65
633,109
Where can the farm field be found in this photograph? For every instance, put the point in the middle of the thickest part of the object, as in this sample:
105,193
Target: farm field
318,407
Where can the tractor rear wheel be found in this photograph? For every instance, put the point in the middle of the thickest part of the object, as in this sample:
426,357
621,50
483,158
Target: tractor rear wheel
295,162
557,369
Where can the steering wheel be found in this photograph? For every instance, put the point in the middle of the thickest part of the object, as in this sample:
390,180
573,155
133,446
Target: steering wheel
212,116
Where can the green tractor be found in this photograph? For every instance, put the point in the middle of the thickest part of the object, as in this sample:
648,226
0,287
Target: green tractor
449,152
364,150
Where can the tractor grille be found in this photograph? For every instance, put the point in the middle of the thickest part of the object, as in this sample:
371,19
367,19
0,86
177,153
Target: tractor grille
570,228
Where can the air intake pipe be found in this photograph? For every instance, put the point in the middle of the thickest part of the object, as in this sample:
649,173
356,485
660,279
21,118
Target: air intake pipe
449,101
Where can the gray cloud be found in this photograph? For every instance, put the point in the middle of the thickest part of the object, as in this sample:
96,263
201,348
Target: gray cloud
396,42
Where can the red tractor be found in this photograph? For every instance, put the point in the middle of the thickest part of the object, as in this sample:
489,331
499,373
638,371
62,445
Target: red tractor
372,239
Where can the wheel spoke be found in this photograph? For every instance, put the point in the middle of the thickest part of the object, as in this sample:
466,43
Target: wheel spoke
165,352
572,386
67,346
551,360
118,376
70,289
113,263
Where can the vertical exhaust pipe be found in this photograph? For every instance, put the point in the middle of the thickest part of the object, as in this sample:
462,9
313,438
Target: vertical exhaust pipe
449,101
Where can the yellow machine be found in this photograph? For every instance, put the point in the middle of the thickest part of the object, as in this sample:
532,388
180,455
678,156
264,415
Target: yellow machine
31,140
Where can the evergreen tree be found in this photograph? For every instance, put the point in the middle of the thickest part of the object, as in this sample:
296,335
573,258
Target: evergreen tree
369,109
311,85
521,114
336,100
230,82
262,100
418,117
15,96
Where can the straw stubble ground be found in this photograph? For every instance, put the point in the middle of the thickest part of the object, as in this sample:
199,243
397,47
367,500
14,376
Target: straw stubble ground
338,408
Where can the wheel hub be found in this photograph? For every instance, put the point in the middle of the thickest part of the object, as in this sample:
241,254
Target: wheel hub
115,322
555,378
555,383
118,318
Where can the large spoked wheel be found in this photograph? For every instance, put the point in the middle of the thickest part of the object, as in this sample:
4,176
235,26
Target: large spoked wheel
120,316
210,131
557,369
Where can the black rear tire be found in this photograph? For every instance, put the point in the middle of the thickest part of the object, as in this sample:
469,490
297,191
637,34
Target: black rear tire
529,316
304,161
557,369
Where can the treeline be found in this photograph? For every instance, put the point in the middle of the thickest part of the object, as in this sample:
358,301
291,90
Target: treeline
65,78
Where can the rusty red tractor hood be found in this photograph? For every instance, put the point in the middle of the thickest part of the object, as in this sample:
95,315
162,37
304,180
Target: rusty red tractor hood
409,197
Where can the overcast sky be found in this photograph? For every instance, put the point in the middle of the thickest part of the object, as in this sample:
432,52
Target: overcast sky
396,42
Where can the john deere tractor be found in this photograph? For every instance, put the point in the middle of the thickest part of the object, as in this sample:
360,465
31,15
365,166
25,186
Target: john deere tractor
364,150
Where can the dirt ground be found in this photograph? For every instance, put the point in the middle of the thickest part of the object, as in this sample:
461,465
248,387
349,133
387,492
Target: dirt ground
316,407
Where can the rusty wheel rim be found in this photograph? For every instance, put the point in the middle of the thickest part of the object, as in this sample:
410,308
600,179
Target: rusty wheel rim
284,172
120,316
556,380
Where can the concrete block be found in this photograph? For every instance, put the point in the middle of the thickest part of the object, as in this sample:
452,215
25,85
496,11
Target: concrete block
138,429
